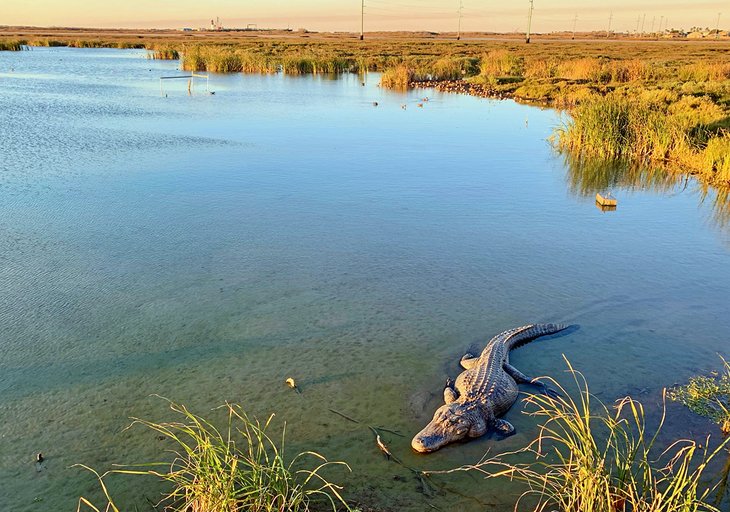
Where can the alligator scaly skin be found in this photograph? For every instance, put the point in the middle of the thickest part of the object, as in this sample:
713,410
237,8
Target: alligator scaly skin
483,392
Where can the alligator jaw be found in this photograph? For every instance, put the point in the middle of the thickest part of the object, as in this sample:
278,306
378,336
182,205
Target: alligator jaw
427,443
449,424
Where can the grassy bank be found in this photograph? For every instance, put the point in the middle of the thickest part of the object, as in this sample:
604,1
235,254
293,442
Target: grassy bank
685,132
662,103
671,110
12,45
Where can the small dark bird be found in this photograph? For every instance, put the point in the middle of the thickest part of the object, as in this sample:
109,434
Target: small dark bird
375,103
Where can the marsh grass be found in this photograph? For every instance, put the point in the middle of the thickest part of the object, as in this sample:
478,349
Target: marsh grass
162,52
231,59
12,45
683,131
239,468
398,77
589,457
708,396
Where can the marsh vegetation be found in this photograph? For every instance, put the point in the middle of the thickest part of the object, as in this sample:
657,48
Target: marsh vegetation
589,456
239,467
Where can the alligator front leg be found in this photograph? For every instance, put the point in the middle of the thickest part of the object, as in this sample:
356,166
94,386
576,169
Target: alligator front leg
504,427
521,378
468,361
450,394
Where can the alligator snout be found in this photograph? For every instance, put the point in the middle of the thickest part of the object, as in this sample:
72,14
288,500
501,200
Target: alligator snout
426,444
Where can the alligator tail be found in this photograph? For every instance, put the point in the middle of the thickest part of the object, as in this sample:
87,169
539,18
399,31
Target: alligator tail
515,338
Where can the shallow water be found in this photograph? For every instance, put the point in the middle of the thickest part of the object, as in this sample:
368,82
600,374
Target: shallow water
206,247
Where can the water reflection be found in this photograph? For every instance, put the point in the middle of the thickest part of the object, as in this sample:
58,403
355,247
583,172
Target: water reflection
587,177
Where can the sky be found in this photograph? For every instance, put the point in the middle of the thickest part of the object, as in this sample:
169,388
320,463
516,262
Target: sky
344,15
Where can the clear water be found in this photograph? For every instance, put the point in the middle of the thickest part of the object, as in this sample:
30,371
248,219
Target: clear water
206,247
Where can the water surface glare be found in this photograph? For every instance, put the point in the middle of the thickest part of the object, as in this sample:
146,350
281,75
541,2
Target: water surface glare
206,247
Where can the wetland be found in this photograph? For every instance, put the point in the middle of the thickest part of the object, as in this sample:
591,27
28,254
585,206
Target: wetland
206,247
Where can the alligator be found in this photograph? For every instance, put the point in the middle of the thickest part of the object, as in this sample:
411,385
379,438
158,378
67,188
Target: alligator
483,392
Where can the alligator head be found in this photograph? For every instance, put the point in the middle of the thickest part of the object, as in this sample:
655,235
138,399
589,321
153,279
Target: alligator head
451,422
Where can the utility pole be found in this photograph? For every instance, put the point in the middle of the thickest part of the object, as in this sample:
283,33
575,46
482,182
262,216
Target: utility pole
575,21
638,20
610,19
661,20
362,20
529,21
643,19
461,9
717,26
652,25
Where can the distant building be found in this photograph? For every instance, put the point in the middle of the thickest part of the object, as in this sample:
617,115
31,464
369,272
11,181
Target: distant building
216,24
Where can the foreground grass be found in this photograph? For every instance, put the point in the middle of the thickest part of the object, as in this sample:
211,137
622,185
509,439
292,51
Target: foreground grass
236,469
588,457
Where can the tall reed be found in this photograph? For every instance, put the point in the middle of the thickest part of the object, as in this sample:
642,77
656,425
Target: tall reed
398,77
500,63
238,468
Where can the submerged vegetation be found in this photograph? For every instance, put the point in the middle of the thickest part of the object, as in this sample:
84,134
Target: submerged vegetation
588,457
239,468
708,396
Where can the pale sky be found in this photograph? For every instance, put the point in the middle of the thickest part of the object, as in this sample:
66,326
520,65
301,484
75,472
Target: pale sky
344,15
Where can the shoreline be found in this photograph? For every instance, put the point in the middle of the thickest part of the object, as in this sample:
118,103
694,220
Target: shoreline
680,78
